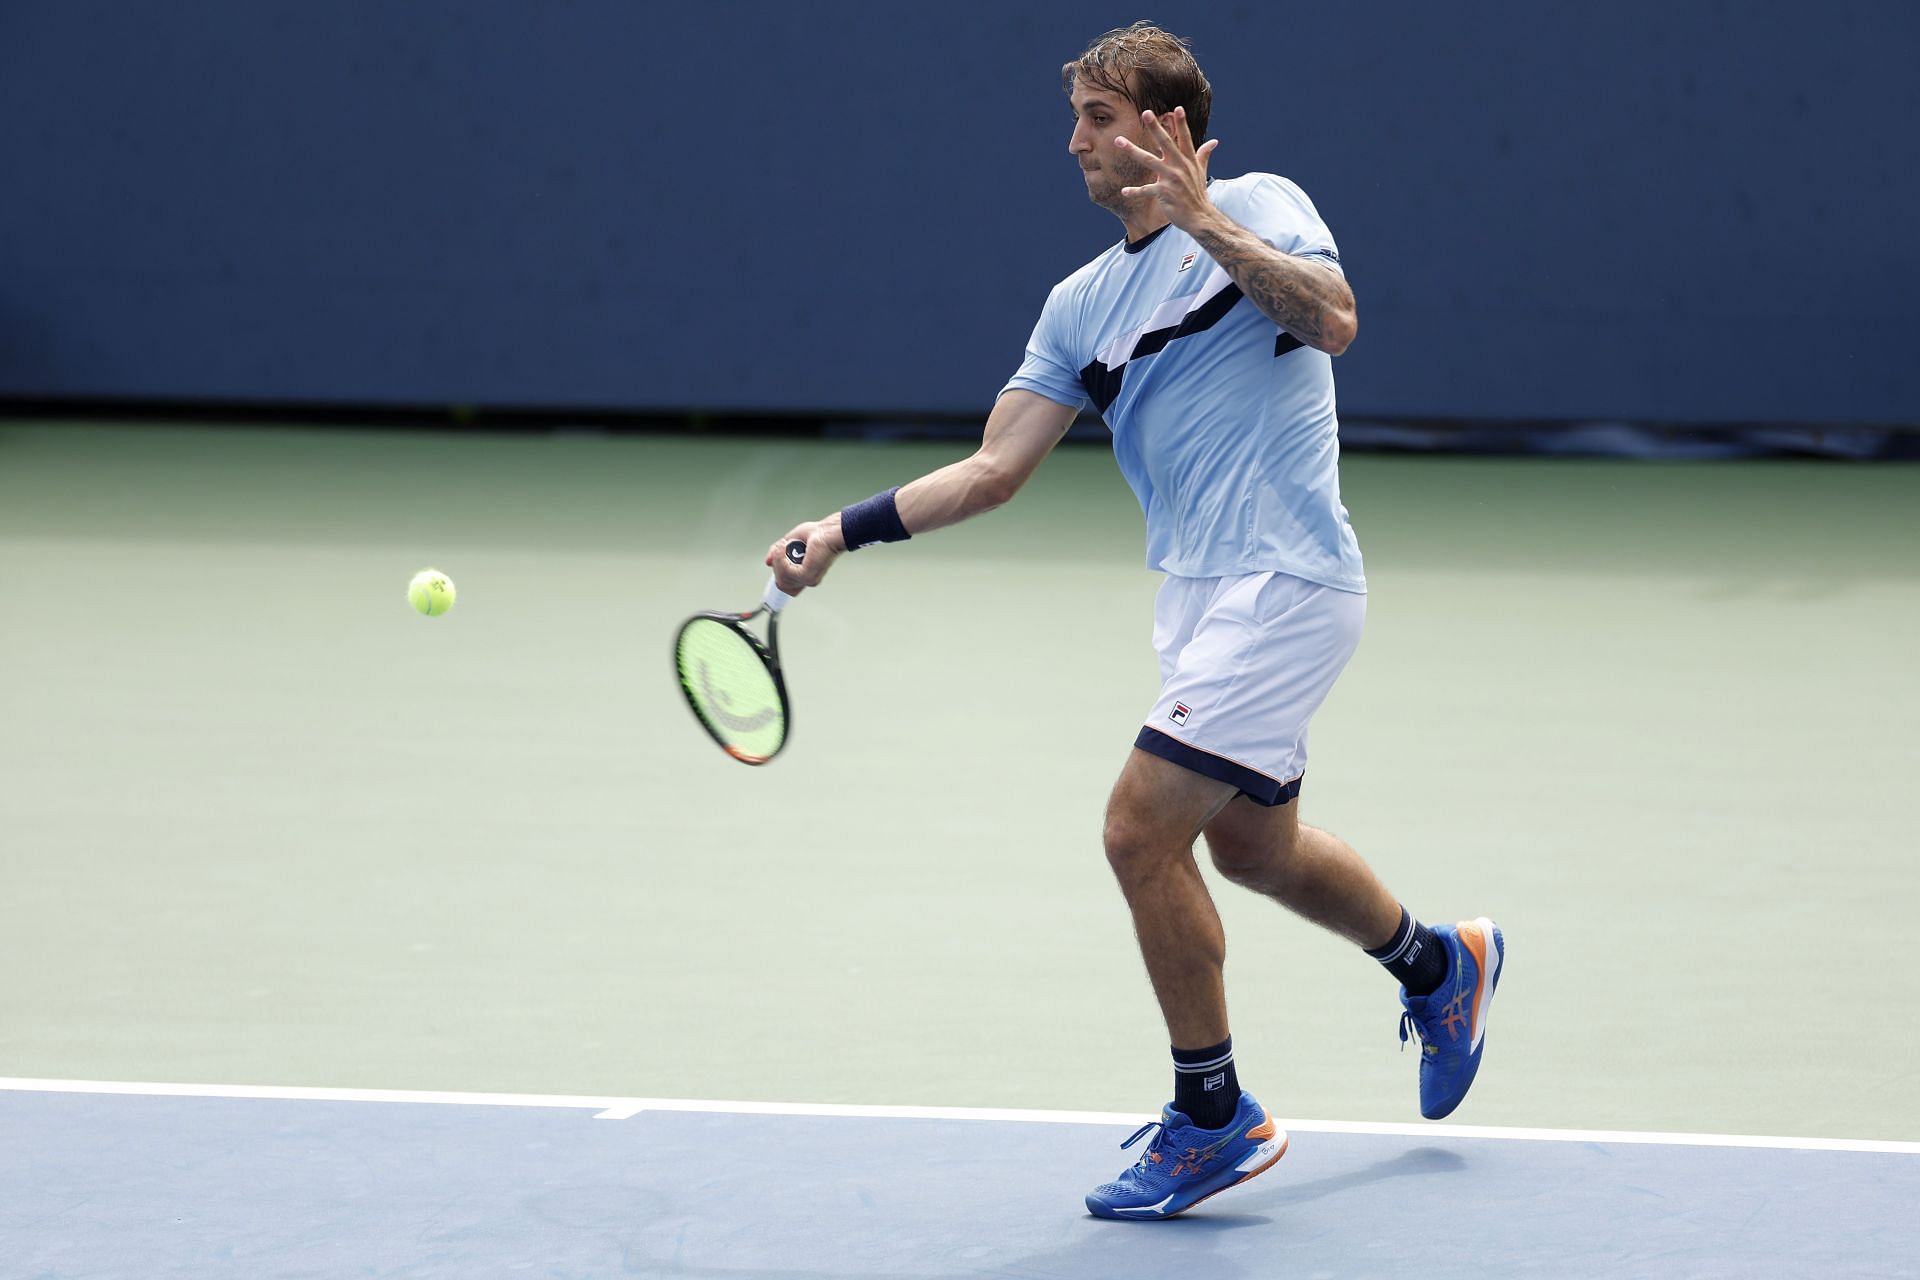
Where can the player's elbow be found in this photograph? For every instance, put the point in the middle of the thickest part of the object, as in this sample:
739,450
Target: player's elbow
1342,327
991,484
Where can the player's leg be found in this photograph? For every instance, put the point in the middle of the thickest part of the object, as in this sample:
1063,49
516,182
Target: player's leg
1213,1135
1155,814
1311,872
1448,973
1255,659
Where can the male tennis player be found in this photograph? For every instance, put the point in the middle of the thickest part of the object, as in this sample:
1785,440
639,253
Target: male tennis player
1206,340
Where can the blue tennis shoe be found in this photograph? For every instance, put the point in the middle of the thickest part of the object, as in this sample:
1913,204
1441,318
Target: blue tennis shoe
1184,1164
1450,1023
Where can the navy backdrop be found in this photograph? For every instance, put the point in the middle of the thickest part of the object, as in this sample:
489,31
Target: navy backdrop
1682,212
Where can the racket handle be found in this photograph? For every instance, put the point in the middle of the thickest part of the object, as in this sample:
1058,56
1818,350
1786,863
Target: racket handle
775,599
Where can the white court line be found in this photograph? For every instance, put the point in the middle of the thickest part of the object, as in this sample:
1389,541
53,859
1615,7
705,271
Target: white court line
626,1108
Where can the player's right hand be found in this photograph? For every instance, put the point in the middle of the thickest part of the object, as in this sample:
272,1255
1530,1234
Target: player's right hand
824,545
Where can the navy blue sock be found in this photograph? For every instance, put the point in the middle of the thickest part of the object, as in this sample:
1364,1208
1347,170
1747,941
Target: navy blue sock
1415,956
1205,1086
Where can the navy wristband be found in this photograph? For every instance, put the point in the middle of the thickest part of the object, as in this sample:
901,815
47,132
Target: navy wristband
876,519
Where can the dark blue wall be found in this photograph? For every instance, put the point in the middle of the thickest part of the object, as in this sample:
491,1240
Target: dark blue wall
1663,211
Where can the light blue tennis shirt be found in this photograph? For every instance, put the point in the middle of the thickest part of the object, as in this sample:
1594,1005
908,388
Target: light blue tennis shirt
1222,421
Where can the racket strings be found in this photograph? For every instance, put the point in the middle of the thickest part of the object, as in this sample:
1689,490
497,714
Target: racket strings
731,689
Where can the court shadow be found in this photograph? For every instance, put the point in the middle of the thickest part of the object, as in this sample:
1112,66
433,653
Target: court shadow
1098,1250
1421,1162
1192,1244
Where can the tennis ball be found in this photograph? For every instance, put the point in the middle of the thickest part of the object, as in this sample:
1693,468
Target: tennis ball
431,592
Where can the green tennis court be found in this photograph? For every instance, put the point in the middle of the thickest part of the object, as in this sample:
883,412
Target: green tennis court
266,825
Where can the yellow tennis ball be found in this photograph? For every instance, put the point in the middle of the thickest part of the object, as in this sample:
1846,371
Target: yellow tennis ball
431,592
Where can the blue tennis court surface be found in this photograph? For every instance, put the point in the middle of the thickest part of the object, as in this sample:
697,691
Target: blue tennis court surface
127,1184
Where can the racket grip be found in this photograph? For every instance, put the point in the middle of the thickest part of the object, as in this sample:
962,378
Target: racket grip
776,599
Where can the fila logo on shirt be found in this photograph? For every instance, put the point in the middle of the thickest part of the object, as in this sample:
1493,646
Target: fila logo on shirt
1180,713
1187,261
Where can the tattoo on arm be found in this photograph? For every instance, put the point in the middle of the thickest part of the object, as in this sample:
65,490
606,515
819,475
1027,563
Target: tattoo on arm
1299,296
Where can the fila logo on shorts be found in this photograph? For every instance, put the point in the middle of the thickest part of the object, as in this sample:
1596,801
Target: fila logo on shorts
1180,713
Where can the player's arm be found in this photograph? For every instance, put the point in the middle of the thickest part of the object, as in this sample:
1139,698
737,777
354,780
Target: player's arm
1308,299
1020,432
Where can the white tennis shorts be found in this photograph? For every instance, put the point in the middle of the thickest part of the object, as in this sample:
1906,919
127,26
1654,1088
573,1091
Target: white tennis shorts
1244,663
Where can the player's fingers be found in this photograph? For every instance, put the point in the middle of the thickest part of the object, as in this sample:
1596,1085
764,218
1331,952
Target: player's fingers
788,578
1145,156
1182,133
1205,151
1158,133
777,553
1158,169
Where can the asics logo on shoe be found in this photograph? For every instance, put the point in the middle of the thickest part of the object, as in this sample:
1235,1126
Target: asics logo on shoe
1194,1159
1454,1016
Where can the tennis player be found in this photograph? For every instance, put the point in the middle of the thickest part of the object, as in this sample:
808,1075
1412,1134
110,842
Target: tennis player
1206,340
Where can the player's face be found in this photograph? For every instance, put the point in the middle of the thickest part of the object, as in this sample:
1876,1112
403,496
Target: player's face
1100,116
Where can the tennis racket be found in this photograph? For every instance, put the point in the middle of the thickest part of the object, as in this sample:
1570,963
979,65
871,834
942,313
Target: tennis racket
732,681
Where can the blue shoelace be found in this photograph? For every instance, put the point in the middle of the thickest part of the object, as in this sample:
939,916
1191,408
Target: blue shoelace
1153,1146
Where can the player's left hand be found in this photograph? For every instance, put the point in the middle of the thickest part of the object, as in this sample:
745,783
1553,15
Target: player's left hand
1179,168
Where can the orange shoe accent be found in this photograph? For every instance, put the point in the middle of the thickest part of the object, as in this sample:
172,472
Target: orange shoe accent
1263,1130
1473,940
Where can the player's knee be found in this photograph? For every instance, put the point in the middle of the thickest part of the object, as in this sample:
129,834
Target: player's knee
1123,845
1132,848
1250,857
1237,858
